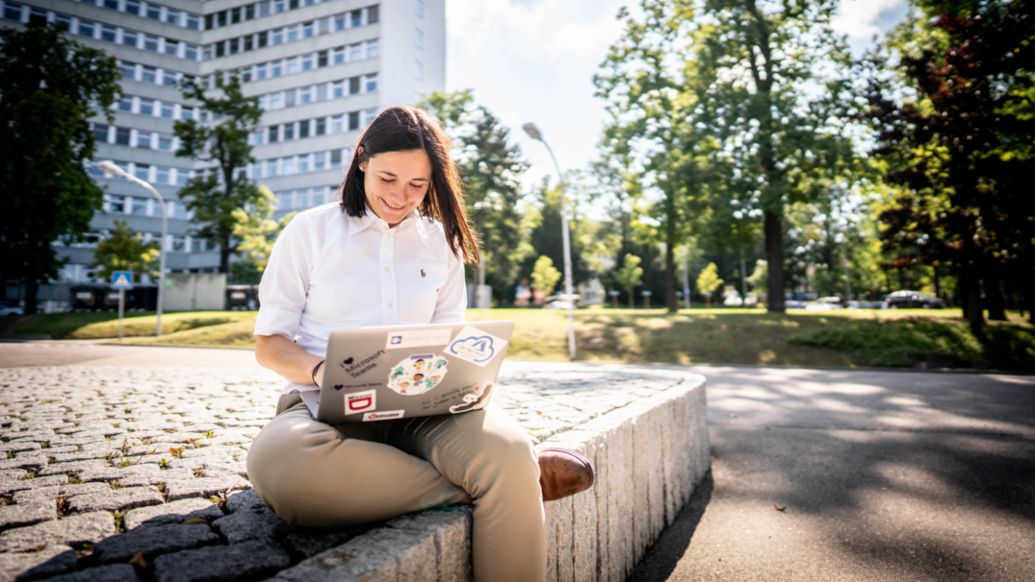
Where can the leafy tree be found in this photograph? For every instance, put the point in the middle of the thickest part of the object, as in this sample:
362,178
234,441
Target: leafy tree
545,276
958,142
778,102
256,229
546,237
491,168
213,196
650,136
758,276
629,276
50,86
125,251
708,281
732,109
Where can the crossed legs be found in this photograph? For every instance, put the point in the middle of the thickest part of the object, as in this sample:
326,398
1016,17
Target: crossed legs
319,475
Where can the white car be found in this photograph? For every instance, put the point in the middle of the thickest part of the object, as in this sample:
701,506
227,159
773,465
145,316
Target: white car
11,308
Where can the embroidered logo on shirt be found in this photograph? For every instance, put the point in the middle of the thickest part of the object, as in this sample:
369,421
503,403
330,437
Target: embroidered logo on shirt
423,274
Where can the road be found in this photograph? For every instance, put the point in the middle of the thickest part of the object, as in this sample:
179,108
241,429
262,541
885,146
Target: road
816,474
859,475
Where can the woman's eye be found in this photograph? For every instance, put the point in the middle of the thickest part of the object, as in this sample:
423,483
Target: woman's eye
387,181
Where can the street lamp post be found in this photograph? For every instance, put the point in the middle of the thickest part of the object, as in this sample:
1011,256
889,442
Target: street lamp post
109,167
534,133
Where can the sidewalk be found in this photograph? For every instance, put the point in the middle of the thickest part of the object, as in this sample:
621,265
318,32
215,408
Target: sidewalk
106,466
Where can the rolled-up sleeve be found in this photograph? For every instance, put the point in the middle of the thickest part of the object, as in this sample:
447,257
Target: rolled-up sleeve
285,283
452,298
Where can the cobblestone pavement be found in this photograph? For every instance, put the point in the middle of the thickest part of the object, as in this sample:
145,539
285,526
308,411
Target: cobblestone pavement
120,473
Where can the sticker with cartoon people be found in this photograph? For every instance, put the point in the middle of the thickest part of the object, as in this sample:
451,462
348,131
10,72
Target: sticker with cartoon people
476,399
417,374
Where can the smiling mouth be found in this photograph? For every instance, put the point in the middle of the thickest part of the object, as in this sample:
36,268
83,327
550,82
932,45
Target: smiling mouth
390,206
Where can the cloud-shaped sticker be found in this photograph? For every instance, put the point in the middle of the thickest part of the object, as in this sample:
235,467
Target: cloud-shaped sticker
478,349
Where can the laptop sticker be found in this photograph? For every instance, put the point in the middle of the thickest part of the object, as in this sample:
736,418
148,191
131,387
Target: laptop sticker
476,399
364,401
357,368
417,374
475,346
383,415
417,338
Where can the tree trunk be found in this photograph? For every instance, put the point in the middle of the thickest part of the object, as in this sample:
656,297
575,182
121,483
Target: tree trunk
774,256
670,279
32,289
224,259
994,295
970,294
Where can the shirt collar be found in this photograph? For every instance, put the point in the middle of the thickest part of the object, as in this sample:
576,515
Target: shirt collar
360,223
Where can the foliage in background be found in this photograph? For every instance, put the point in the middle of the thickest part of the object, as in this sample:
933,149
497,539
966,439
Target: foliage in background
257,230
491,168
629,276
213,196
730,111
708,282
50,86
957,137
545,276
125,251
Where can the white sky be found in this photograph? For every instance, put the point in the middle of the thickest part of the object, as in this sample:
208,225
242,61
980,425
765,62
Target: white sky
534,60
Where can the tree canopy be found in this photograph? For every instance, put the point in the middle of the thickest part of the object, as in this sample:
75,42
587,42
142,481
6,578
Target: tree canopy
214,195
50,86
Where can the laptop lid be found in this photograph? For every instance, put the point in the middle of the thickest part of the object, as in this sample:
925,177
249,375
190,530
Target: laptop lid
389,372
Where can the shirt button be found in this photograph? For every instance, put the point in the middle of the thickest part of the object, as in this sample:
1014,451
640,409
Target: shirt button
387,270
389,305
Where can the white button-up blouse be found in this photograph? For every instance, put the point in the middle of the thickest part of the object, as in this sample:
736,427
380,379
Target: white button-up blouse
329,270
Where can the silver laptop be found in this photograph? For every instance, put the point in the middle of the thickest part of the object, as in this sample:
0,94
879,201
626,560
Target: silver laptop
384,373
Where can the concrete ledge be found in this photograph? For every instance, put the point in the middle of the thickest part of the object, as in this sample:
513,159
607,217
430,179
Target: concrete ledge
649,456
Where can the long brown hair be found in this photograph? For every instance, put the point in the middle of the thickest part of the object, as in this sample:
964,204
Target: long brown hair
401,128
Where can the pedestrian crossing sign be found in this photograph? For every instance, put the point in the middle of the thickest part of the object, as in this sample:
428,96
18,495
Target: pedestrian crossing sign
122,279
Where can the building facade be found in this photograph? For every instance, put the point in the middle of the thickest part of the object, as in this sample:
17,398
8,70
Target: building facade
322,69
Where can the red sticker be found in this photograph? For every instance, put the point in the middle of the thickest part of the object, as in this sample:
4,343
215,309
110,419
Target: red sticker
360,402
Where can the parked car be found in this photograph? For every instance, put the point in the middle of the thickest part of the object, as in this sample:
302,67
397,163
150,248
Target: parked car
825,304
912,299
11,308
561,301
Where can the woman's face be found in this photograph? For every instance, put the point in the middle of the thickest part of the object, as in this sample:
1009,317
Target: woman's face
396,183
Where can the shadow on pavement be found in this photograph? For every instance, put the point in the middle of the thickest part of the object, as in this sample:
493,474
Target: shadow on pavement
661,558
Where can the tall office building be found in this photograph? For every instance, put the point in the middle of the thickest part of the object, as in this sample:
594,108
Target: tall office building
321,69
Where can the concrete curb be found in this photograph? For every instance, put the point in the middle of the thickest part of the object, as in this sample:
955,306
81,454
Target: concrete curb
649,458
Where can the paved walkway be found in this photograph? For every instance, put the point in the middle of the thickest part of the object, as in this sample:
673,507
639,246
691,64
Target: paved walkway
126,471
860,475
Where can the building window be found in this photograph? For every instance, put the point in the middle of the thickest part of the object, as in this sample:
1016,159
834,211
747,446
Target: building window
418,38
373,14
122,136
143,139
129,70
148,74
370,82
146,107
353,120
100,132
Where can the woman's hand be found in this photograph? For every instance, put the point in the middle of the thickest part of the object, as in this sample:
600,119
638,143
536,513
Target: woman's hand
285,357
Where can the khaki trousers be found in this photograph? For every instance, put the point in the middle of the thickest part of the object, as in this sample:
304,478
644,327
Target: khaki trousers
318,475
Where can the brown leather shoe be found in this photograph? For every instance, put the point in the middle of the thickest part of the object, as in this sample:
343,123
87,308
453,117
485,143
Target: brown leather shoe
563,473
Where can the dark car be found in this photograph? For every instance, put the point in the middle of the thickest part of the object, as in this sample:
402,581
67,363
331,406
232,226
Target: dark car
912,299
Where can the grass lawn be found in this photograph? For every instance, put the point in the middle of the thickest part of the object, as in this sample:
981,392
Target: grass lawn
841,338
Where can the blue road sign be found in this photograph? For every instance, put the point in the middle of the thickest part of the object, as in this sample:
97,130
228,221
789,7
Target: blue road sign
122,279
